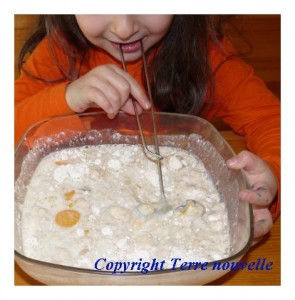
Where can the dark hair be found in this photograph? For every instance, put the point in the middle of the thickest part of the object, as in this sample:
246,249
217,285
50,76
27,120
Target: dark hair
180,72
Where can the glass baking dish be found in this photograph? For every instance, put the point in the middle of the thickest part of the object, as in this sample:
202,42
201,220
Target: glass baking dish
174,130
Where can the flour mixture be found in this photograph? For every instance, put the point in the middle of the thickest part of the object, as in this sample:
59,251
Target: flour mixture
99,201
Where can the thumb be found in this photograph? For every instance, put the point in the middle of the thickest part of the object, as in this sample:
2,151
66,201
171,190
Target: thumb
247,161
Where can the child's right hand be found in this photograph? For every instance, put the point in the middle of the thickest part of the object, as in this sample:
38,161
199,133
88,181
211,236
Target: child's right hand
109,88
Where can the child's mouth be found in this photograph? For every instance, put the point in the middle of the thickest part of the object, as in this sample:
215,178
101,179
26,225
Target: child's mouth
129,47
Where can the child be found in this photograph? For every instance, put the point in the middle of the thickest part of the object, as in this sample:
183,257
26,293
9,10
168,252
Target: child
75,66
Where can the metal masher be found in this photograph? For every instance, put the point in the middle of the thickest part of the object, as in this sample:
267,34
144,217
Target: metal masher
164,205
156,153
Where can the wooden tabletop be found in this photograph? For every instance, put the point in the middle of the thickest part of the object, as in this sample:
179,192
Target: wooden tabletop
269,249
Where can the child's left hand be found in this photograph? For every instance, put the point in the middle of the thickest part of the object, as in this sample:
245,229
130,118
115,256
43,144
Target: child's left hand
263,189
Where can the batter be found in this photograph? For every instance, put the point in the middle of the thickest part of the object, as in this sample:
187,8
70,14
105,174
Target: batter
100,201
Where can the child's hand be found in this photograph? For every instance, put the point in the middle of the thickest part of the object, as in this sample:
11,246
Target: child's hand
263,189
107,87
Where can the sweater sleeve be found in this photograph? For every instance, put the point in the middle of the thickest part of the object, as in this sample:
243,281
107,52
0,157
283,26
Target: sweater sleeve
37,99
243,101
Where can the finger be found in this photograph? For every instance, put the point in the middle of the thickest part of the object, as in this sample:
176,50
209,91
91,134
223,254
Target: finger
262,222
247,161
133,88
128,108
98,98
258,174
112,115
112,94
110,85
261,196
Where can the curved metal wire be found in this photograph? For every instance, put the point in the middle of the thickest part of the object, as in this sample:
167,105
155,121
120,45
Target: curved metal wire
155,154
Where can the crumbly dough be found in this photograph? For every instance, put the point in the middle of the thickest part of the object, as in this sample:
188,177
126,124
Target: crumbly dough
101,201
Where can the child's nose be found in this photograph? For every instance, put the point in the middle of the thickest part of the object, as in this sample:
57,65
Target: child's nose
124,26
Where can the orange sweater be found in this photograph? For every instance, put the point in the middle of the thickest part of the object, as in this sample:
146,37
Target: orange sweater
240,98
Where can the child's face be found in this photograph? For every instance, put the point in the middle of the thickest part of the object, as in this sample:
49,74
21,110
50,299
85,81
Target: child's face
108,31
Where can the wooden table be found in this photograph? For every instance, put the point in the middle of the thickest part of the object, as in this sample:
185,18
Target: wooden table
268,248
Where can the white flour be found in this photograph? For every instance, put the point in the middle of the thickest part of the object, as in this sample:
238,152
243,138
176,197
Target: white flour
98,201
